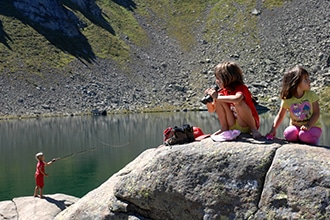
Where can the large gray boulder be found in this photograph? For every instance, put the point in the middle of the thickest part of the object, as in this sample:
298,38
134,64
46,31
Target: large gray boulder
297,185
242,179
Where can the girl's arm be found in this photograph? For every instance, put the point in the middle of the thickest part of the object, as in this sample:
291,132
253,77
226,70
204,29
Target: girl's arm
277,121
50,162
238,97
315,116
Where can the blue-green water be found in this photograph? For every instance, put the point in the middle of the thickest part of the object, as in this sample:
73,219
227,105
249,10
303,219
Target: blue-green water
92,148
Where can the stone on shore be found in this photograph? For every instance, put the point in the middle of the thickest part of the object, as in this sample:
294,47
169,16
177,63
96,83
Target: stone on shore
34,208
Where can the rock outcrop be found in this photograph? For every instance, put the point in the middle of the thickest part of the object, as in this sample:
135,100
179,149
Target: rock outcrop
242,179
31,208
54,16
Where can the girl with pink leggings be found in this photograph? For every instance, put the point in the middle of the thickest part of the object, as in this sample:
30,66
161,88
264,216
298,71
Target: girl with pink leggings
303,106
310,136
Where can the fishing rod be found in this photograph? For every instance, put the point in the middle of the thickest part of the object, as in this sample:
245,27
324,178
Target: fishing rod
88,150
74,154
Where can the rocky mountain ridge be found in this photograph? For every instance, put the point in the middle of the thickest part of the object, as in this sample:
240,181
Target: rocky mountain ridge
163,76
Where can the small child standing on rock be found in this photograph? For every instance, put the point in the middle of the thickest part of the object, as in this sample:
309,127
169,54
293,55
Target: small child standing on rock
40,173
302,103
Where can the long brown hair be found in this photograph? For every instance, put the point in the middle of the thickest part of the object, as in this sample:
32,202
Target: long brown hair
291,80
230,74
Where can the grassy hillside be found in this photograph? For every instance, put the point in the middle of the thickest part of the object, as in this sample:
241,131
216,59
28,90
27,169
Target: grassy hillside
24,49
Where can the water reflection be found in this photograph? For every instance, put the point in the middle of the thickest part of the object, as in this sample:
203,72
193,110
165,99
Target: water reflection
91,148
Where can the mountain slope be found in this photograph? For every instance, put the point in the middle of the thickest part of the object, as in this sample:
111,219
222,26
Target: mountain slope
75,56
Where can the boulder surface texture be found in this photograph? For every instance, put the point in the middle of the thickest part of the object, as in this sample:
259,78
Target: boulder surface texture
32,208
241,179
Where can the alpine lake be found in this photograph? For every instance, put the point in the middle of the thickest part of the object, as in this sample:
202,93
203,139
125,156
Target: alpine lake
92,148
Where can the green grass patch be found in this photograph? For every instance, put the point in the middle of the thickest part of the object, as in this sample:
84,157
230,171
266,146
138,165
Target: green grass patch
270,4
180,19
106,45
232,23
227,22
124,22
27,50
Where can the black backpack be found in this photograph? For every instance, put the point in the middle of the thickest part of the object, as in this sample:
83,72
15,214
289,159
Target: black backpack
179,135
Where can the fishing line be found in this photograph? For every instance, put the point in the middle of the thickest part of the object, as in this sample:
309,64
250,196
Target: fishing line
111,145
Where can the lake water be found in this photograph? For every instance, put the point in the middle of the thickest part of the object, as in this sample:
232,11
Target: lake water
91,148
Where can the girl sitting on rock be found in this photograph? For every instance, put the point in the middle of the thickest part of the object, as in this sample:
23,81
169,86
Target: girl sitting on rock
302,103
233,102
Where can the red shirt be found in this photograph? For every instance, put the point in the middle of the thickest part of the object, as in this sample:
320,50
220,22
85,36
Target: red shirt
40,166
243,89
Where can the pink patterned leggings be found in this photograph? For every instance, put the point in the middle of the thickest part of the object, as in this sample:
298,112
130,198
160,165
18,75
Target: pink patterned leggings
294,134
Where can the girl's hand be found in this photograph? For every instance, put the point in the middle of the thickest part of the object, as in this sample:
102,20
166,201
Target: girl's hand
212,92
207,91
270,135
304,127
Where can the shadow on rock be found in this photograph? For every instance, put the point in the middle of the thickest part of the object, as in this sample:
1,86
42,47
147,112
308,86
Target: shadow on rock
59,203
128,4
59,26
92,12
4,37
247,138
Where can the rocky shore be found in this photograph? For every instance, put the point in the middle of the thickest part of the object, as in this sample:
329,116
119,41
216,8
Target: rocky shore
32,208
163,77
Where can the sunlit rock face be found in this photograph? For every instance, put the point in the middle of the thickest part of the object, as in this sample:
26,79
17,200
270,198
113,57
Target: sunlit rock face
243,179
240,179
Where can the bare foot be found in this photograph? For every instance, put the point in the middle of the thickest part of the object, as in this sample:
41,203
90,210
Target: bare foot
35,195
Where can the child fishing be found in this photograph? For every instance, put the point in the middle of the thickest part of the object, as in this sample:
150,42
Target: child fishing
40,173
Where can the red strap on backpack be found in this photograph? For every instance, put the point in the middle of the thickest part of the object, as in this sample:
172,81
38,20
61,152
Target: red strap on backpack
167,133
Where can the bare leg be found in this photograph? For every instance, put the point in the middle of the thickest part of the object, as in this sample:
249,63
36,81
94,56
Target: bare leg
245,118
35,191
40,189
225,116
